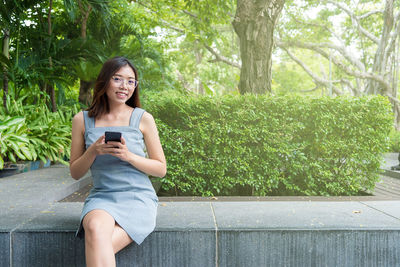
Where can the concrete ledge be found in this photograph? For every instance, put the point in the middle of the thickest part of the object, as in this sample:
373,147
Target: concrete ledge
180,248
5,238
47,248
230,234
35,230
393,174
236,248
309,248
25,196
180,239
391,159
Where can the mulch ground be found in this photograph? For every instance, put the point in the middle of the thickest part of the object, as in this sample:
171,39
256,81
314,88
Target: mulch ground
387,189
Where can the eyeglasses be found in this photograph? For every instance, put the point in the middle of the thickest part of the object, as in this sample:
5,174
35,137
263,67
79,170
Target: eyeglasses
132,83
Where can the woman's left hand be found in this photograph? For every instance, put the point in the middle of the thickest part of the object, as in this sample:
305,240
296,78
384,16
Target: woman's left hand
120,150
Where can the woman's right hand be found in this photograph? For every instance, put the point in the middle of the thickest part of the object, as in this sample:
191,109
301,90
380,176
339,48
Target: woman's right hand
100,147
97,147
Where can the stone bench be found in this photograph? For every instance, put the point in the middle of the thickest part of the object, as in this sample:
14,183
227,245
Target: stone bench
36,230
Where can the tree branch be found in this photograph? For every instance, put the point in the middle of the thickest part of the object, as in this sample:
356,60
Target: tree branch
310,90
218,57
315,25
185,84
317,80
318,48
355,91
341,65
393,36
341,49
392,98
164,22
355,20
369,14
190,13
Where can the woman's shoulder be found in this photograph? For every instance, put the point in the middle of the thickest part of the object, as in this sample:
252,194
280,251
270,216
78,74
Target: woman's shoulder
147,122
78,117
78,121
147,117
143,114
139,109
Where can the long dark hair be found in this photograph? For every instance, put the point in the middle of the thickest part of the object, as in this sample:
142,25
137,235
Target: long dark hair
100,103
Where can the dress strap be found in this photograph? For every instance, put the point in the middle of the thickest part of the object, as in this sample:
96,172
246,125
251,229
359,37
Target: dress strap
136,117
89,122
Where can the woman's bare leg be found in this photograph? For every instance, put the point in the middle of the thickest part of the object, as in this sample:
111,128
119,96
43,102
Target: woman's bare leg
120,238
99,227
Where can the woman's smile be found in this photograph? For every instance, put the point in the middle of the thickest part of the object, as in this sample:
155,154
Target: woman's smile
121,95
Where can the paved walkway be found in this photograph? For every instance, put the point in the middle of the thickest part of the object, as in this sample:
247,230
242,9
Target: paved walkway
388,187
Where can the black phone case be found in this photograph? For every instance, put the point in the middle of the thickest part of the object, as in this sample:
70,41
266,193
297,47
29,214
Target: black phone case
113,136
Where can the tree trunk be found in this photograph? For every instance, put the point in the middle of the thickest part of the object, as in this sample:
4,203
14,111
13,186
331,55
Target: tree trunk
6,53
254,24
52,94
5,87
385,62
85,92
381,58
51,87
394,82
199,58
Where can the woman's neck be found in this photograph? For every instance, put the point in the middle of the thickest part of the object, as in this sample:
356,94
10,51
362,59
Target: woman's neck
119,115
117,108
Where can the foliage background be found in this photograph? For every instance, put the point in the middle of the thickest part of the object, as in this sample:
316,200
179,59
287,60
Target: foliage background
186,48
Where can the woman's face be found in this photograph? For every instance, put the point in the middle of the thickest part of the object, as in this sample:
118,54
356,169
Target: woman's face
122,85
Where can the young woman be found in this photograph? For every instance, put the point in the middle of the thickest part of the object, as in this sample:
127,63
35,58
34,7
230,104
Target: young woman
122,205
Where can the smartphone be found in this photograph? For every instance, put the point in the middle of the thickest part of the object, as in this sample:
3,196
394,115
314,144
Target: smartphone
113,136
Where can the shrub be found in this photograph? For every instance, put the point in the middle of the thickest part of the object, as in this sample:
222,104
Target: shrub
267,145
14,142
30,132
394,138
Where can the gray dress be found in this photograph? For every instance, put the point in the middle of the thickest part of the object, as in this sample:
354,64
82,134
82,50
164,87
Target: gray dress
120,189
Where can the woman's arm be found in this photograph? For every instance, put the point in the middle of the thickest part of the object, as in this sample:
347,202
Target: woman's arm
81,159
156,164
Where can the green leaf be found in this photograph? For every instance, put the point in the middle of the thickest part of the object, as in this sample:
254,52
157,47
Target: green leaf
11,157
26,152
19,138
42,158
208,90
13,121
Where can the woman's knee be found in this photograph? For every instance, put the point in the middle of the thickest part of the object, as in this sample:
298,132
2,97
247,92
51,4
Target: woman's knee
98,225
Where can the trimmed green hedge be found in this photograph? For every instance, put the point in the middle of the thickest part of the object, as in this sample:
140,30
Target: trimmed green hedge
394,138
268,145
